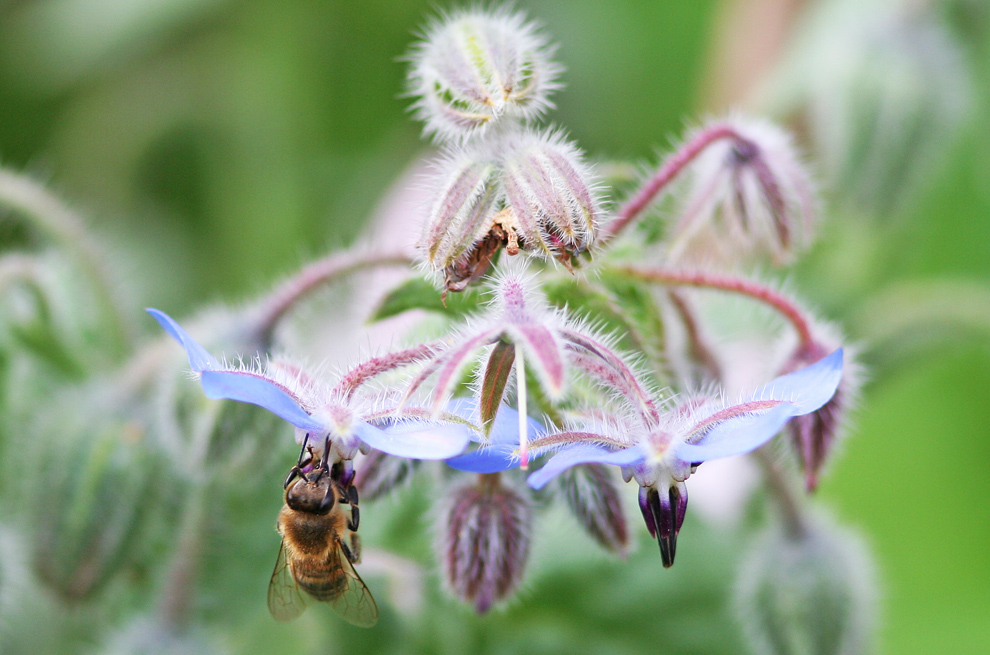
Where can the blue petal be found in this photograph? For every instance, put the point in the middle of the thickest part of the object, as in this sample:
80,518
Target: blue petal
416,439
737,435
584,454
251,388
199,359
809,388
492,459
505,429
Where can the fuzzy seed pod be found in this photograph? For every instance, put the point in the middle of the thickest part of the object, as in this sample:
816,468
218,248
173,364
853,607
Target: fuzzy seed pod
485,542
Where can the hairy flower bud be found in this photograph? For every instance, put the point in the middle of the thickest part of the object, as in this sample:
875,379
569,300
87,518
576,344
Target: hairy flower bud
552,196
89,502
747,196
461,238
807,593
521,190
884,88
814,435
475,67
594,500
378,474
485,541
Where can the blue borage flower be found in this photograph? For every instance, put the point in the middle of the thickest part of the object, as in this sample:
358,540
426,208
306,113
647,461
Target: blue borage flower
661,458
319,418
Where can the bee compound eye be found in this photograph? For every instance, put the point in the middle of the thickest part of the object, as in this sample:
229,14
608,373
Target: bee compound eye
328,500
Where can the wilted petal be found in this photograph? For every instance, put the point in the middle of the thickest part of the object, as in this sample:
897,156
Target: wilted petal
416,439
584,454
199,359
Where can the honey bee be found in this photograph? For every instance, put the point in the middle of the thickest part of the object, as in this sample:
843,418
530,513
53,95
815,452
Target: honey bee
320,545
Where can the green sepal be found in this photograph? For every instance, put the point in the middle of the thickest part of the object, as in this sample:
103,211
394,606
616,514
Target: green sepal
493,384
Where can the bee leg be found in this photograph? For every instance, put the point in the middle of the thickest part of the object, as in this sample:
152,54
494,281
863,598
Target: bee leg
343,473
297,470
352,552
352,498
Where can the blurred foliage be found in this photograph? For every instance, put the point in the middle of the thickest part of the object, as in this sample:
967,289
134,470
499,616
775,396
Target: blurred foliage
214,145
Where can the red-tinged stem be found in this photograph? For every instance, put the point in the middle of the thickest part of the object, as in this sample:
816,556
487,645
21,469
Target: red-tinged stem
730,284
314,275
699,345
669,170
378,365
780,487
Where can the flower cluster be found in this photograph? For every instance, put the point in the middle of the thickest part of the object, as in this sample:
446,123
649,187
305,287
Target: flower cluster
480,79
562,374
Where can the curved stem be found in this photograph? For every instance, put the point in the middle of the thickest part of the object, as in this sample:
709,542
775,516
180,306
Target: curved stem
731,284
56,221
377,365
180,586
787,499
669,170
311,277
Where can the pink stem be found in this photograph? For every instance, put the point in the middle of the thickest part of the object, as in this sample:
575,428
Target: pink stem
312,277
732,284
670,169
378,365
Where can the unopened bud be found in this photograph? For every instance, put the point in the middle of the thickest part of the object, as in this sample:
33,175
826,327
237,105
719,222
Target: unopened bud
807,593
485,542
89,500
748,196
814,435
884,88
378,474
520,190
460,238
594,500
552,195
476,67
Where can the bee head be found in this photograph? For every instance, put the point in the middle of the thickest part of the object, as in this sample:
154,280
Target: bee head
311,496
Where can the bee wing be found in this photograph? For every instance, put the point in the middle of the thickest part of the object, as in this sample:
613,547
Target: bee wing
355,604
285,601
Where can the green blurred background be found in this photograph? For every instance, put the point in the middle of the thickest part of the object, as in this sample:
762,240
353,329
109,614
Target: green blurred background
216,145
